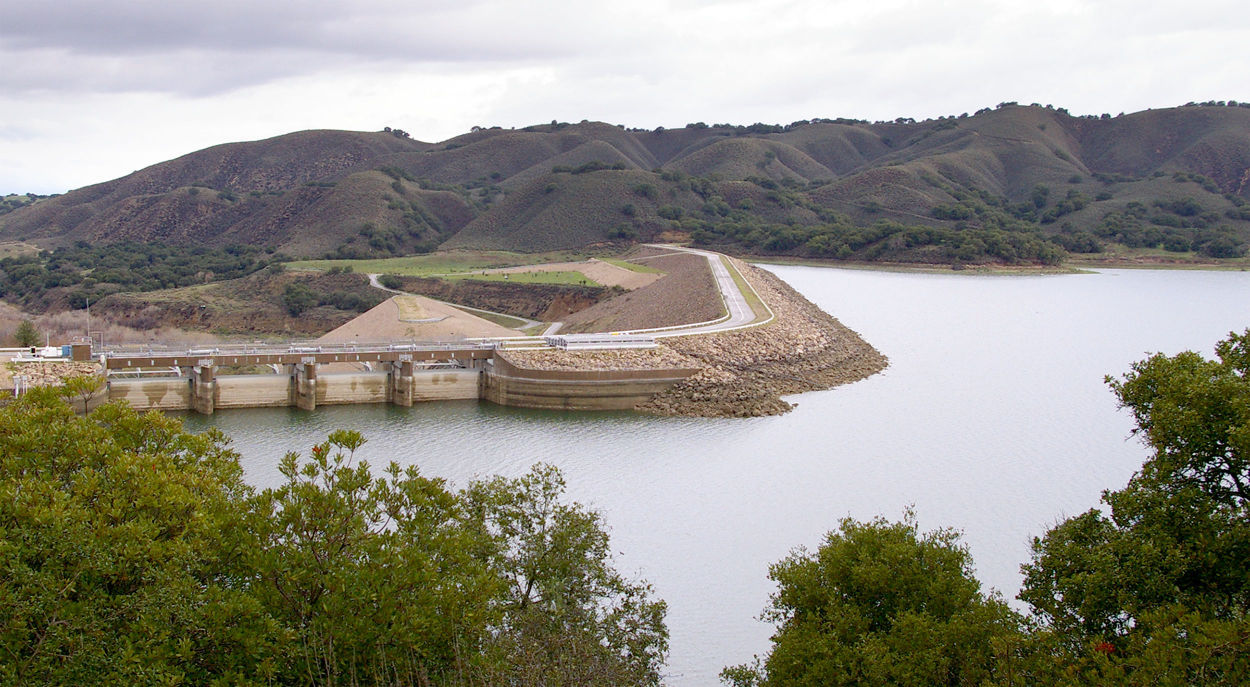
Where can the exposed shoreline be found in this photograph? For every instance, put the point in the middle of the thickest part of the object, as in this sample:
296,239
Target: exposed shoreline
744,372
1071,266
747,371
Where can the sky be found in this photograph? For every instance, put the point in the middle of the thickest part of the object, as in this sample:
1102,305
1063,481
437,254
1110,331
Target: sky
91,90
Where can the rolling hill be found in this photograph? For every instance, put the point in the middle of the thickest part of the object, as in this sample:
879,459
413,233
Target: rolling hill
1011,184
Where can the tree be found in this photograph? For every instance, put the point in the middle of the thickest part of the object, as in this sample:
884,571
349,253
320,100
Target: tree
297,298
133,553
881,603
26,335
1165,574
120,553
568,617
376,580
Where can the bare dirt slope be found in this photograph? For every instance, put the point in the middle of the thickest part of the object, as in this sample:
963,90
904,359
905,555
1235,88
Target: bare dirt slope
437,321
684,295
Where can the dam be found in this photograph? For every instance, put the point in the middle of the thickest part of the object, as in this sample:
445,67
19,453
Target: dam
206,380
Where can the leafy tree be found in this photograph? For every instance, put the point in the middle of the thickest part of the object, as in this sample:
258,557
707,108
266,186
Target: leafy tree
297,298
121,548
133,553
26,335
882,603
376,579
81,388
1165,574
568,616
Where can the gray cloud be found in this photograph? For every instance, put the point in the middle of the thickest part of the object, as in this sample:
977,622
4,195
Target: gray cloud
113,85
205,48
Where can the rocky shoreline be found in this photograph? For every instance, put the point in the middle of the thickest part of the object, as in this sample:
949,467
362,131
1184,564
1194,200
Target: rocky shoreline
747,371
743,373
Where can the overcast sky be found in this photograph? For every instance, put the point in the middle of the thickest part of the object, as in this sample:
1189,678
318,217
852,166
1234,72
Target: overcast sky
94,89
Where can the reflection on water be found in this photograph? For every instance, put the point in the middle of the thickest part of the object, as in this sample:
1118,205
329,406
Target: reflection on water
992,418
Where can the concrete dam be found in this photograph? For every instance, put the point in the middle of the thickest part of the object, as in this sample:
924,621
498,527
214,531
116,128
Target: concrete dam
306,377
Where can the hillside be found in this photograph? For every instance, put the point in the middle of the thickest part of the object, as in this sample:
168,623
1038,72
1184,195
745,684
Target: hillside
1014,184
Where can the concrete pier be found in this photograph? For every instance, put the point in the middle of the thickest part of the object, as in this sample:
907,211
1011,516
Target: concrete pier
306,385
204,388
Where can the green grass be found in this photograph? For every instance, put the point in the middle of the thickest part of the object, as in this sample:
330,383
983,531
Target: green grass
631,266
10,249
559,277
437,264
753,301
497,317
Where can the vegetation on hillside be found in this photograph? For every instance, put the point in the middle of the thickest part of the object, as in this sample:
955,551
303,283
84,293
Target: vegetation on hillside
1008,185
72,276
133,553
13,201
1153,591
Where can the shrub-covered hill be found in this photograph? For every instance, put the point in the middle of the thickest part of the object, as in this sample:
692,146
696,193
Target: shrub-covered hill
1010,184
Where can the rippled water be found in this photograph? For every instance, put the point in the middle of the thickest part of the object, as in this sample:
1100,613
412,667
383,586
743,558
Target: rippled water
992,418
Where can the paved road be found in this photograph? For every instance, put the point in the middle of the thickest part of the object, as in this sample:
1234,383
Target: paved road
740,313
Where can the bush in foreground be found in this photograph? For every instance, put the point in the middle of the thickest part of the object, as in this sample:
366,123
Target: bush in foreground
1155,592
132,552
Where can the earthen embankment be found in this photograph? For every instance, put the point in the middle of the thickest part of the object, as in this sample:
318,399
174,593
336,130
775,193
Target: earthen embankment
747,371
744,372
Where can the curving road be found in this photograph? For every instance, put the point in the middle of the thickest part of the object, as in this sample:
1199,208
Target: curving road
374,282
739,313
738,310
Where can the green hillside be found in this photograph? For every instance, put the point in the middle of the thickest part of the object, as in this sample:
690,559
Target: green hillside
1012,184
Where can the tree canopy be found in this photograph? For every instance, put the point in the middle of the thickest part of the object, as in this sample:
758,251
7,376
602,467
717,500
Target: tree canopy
881,603
1153,591
132,552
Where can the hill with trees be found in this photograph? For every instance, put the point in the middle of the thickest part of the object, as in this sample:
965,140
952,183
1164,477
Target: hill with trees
1012,184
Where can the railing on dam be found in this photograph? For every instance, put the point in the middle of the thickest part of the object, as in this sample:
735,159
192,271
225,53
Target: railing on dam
129,357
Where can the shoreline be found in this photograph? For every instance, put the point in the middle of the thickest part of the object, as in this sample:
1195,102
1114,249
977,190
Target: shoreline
1077,266
742,372
747,371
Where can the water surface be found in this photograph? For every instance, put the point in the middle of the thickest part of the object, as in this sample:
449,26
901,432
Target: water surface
992,418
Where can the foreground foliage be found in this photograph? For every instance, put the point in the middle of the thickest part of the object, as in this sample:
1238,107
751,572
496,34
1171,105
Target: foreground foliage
132,552
1154,592
881,603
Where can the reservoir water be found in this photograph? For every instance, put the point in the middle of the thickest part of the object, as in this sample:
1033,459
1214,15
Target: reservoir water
993,418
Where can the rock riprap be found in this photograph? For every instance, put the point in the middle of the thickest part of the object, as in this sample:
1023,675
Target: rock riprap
745,372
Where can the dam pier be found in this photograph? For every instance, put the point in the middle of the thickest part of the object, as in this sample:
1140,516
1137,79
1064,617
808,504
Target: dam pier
309,376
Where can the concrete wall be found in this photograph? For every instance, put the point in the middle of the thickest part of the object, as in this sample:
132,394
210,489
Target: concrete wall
253,391
446,385
501,383
352,387
508,385
160,393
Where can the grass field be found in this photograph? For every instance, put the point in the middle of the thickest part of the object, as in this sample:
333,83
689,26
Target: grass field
631,266
497,317
12,249
438,264
536,277
753,300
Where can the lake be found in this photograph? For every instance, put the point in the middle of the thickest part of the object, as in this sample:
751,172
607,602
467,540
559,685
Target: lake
993,418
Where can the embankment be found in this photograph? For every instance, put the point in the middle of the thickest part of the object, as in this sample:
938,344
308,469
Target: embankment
746,372
741,373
